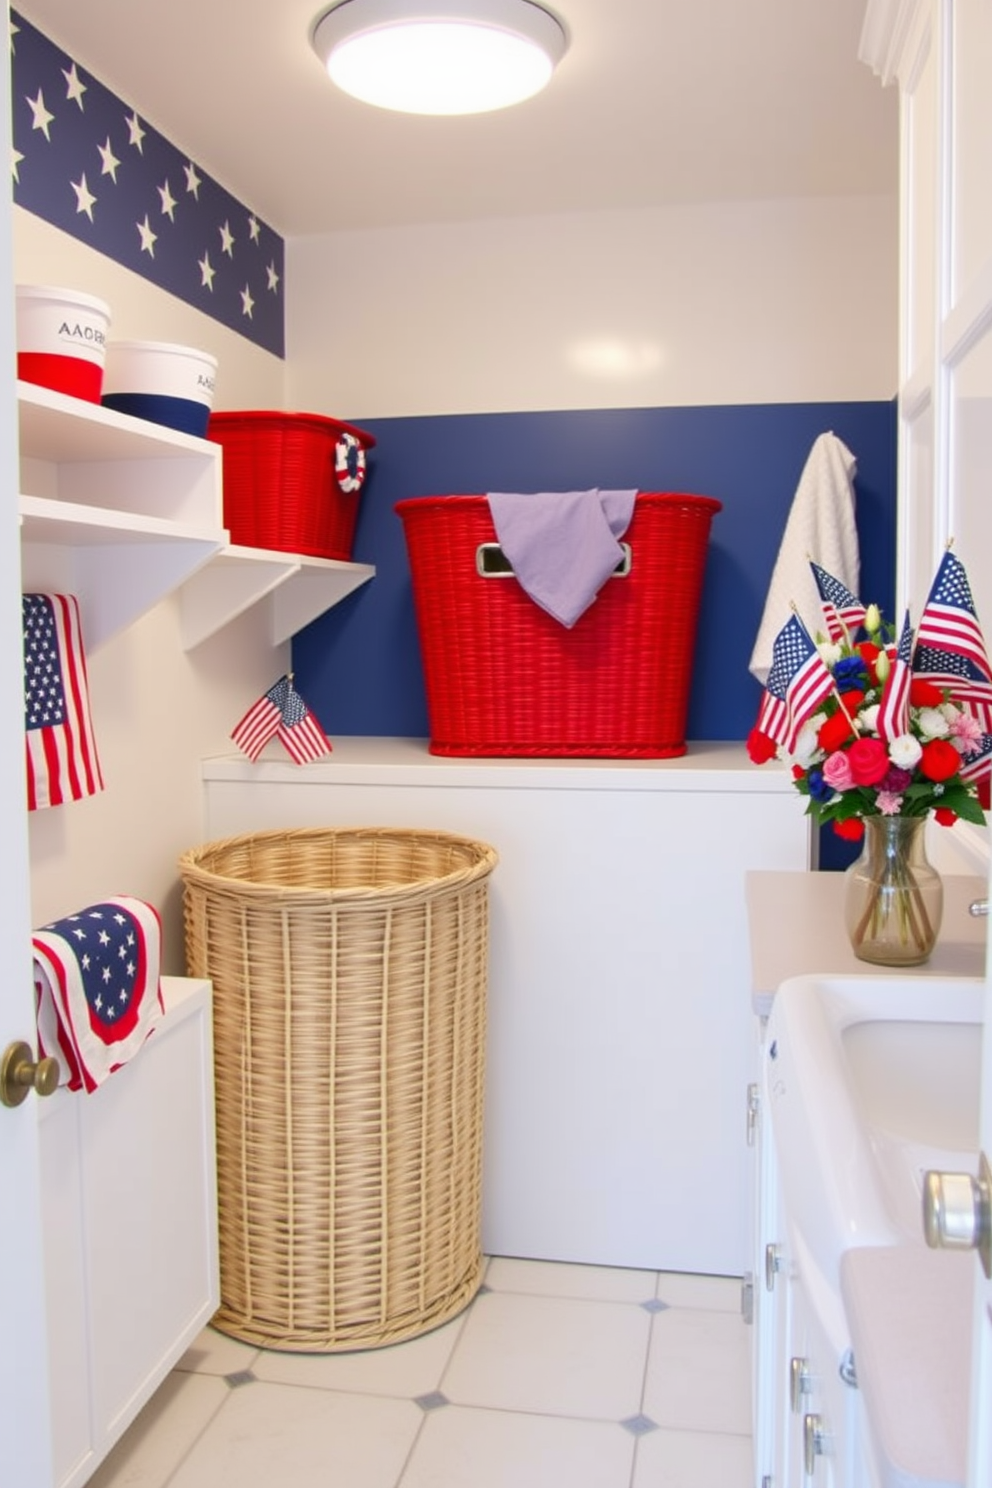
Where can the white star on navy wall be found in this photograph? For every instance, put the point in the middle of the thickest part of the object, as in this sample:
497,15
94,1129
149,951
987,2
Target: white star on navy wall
85,161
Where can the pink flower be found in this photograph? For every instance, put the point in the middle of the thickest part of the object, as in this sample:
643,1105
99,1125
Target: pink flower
888,803
966,733
837,771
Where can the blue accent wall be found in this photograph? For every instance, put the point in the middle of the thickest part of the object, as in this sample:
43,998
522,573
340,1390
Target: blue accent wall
358,666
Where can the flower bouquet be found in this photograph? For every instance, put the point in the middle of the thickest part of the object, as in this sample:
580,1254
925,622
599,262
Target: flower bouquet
879,735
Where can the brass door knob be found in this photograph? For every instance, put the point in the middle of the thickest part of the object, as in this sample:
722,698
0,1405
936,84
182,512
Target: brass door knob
19,1073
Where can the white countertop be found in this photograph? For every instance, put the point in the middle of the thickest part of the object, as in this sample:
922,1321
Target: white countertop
797,929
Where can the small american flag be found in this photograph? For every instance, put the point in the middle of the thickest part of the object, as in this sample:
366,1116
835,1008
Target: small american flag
976,768
798,682
949,622
62,760
893,712
96,977
281,713
842,612
966,685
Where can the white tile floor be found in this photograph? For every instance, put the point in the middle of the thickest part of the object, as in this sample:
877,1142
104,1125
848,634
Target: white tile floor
556,1376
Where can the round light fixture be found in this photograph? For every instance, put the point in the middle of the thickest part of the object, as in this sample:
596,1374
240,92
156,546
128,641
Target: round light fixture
439,56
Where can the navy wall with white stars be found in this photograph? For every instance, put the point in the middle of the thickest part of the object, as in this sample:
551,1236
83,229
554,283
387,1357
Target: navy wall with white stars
87,162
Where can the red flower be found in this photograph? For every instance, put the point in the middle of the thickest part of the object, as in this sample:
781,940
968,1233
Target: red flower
939,760
869,761
924,694
835,732
868,651
853,701
760,748
945,816
852,830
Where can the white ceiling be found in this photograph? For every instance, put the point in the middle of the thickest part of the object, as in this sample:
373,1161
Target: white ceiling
655,102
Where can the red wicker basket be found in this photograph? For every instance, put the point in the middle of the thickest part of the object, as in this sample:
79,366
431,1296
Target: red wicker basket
283,481
504,678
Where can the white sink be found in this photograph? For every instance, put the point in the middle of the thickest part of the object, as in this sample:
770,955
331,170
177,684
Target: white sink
870,1081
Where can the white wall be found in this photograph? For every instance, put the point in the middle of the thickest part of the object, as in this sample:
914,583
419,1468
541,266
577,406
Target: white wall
157,710
767,302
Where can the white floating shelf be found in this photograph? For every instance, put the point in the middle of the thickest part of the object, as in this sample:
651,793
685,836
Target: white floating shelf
296,589
117,565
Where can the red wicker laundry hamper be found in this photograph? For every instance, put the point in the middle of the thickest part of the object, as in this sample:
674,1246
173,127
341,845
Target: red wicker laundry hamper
292,481
504,678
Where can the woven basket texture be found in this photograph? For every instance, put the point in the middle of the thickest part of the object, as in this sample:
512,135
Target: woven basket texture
280,490
349,971
503,677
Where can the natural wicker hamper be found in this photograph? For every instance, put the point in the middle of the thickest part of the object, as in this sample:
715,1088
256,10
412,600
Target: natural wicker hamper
349,971
280,487
505,678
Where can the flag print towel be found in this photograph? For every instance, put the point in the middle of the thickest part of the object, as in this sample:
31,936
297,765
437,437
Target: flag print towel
62,760
562,545
96,977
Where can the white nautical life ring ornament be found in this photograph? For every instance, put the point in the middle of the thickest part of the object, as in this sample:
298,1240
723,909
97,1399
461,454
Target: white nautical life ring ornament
349,463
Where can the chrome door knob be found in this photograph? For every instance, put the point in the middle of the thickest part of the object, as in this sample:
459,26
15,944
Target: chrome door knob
957,1212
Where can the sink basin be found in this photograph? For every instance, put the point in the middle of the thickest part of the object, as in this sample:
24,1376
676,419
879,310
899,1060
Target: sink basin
869,1082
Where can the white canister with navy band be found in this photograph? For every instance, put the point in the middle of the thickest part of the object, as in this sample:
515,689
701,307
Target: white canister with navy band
157,380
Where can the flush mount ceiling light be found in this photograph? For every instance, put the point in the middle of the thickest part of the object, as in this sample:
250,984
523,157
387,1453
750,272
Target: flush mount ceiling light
439,56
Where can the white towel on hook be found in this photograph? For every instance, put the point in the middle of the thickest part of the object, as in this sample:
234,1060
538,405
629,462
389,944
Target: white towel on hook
820,526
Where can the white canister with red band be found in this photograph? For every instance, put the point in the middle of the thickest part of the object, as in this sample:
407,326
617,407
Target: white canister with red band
62,339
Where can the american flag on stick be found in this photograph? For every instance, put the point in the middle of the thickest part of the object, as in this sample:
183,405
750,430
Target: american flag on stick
60,747
281,713
893,712
842,612
949,621
798,681
950,649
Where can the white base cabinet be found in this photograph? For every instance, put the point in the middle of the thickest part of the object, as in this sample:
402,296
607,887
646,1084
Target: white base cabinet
619,1043
129,1205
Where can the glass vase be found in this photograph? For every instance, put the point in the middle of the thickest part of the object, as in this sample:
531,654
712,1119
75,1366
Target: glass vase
893,896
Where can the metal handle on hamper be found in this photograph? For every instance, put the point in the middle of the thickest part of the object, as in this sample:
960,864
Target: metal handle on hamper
492,563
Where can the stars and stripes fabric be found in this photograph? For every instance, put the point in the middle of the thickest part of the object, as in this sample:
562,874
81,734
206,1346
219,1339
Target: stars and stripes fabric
98,989
798,682
967,686
281,713
85,161
949,622
893,710
842,611
976,769
60,747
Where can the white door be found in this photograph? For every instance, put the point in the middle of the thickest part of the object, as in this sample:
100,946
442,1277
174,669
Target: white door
24,1405
980,1443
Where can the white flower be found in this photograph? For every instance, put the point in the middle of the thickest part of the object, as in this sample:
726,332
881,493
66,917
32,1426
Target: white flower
806,747
830,652
932,724
873,619
905,751
883,665
868,719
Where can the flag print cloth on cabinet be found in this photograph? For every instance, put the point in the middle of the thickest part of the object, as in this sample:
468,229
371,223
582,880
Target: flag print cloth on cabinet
96,976
62,760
